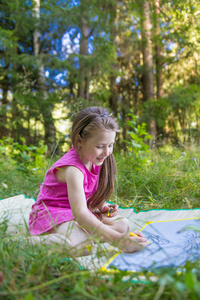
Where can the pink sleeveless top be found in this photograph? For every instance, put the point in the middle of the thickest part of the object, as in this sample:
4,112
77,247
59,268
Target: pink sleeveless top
52,206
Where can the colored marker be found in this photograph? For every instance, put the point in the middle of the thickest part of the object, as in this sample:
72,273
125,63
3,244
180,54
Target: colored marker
110,211
133,234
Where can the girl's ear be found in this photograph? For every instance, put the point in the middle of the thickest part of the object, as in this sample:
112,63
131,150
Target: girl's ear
78,142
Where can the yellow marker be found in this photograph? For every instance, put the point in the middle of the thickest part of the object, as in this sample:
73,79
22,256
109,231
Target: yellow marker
133,234
109,212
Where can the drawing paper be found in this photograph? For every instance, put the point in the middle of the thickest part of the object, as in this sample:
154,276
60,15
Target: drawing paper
172,243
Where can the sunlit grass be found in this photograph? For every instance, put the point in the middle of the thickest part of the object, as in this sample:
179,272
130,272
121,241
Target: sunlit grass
169,180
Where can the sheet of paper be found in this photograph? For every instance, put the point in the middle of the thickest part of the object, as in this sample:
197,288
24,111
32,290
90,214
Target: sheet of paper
171,244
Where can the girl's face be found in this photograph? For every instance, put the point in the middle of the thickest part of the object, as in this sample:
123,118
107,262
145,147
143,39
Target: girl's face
97,148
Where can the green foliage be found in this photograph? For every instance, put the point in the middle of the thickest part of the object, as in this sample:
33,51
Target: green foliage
23,157
184,112
183,100
113,63
157,110
138,135
137,142
168,181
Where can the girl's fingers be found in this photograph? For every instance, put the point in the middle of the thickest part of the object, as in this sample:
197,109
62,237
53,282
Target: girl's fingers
115,211
114,206
131,244
105,209
138,233
113,214
109,207
139,240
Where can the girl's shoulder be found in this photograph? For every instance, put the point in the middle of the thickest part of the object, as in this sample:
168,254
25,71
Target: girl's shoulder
71,158
71,155
69,173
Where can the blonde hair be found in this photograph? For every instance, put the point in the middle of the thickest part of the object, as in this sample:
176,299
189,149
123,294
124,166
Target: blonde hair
86,124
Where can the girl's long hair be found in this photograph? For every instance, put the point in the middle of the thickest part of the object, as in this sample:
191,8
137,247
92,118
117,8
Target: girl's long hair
86,124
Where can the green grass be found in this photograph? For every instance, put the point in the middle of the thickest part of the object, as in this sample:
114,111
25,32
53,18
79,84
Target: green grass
168,180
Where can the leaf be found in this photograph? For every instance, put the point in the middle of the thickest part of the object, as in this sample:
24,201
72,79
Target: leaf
29,297
22,139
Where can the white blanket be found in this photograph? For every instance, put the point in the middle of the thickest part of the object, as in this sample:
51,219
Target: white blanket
16,211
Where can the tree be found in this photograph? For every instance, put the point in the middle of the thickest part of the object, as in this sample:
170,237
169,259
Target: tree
147,77
49,127
8,43
117,54
158,58
83,86
114,93
13,28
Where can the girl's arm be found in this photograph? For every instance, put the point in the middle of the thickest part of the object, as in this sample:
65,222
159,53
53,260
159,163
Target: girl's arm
74,179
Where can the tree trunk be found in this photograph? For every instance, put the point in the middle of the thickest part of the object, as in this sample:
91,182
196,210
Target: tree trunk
148,82
83,87
46,107
3,105
158,60
114,97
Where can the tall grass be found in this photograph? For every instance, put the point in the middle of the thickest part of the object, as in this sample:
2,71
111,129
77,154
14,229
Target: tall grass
168,178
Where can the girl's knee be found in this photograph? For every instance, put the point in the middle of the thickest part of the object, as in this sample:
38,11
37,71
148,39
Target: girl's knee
121,225
125,225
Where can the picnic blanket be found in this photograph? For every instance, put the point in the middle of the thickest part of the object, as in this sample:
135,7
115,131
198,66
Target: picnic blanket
16,211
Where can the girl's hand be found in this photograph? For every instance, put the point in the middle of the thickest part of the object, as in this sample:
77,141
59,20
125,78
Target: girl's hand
131,244
106,208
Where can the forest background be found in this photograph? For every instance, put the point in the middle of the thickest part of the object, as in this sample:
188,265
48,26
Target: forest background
138,58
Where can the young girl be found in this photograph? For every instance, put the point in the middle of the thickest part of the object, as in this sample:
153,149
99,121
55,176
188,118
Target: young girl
72,199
